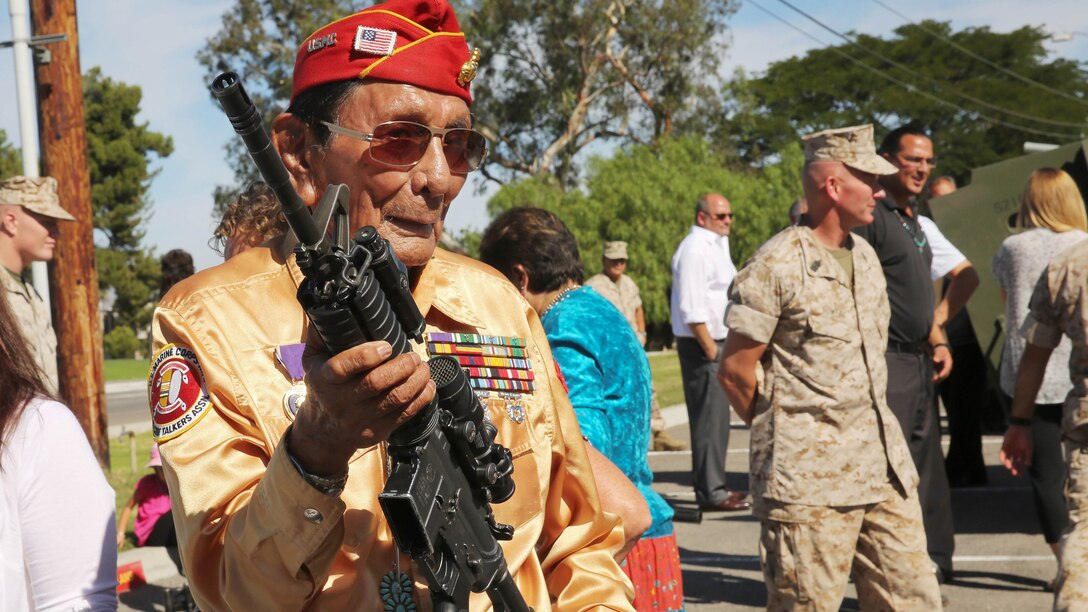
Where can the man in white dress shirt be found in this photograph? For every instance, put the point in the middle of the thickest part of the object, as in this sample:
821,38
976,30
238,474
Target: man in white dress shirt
701,273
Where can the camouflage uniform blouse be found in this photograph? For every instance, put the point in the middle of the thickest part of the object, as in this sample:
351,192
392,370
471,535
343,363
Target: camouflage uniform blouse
822,433
37,324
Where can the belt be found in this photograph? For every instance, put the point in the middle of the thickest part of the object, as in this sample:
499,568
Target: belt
914,348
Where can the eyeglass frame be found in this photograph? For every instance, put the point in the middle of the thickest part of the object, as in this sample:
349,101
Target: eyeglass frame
350,133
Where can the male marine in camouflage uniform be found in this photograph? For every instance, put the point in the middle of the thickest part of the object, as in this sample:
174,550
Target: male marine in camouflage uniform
831,476
1059,306
29,211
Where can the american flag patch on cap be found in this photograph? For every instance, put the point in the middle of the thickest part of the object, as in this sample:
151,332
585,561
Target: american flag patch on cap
374,41
491,362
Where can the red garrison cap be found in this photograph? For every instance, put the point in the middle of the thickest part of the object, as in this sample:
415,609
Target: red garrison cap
417,42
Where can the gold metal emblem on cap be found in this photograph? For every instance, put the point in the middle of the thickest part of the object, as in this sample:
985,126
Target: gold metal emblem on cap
468,69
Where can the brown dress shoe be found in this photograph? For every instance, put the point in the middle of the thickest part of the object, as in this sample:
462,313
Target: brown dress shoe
664,442
735,501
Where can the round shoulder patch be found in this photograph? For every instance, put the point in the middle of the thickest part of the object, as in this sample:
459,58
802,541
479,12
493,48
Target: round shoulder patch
176,392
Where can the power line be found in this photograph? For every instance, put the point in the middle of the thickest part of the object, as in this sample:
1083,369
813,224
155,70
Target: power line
982,59
908,86
931,81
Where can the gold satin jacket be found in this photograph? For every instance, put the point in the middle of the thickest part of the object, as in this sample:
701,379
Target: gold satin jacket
255,536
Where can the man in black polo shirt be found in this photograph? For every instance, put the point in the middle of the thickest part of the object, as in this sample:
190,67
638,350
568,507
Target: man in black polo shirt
918,354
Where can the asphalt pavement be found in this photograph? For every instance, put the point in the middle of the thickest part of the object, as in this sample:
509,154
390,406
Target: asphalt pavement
1001,562
126,407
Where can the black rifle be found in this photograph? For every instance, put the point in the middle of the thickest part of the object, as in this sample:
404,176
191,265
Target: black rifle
446,466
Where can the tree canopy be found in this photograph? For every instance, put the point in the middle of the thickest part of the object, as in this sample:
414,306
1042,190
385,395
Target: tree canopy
258,39
11,163
916,77
646,196
555,77
119,153
558,76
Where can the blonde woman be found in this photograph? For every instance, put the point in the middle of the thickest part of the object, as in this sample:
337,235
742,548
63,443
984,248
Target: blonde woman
1052,219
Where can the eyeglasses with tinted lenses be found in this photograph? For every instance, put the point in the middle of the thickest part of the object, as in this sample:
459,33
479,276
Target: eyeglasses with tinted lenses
723,216
401,144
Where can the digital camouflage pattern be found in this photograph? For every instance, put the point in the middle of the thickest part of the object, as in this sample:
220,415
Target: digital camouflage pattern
809,552
1059,306
820,409
1071,589
35,193
624,295
34,320
852,146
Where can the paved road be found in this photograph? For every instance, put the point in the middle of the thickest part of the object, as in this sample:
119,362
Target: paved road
126,407
1001,561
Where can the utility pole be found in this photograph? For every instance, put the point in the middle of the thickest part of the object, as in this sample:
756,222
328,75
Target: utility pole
24,45
74,286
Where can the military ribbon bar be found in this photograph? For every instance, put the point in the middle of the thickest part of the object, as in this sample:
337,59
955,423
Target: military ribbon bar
491,362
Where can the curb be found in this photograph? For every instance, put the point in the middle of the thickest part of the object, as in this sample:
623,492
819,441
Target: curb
126,386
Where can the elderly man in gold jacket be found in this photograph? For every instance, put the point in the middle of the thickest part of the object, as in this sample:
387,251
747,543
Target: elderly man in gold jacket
252,435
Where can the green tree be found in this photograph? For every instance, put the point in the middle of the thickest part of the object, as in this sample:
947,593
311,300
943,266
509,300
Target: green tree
646,196
559,76
826,88
259,39
11,163
119,152
122,343
555,76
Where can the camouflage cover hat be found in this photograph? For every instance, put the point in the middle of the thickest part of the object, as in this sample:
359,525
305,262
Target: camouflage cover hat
616,249
36,194
853,146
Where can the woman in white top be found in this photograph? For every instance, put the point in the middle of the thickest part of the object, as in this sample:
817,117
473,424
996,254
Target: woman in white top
1051,219
57,534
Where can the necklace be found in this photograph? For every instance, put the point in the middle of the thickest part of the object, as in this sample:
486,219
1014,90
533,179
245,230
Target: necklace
396,587
918,242
559,298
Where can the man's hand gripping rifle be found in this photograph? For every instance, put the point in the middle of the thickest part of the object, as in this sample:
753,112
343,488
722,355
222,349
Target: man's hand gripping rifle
446,466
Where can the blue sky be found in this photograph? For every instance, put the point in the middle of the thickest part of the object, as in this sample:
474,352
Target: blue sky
152,43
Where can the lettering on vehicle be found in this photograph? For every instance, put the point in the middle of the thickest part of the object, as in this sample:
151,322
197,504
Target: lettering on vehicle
177,394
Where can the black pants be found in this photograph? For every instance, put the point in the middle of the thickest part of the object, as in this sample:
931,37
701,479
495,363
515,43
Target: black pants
964,395
911,397
163,533
1048,471
708,420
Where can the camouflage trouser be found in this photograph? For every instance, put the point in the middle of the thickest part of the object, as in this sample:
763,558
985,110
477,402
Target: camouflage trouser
657,422
1072,588
808,552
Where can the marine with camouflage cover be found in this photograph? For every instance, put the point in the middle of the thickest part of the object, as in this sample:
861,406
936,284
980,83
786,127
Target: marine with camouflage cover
831,476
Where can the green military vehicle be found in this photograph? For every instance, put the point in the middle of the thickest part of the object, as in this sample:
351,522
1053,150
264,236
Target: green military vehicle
978,217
